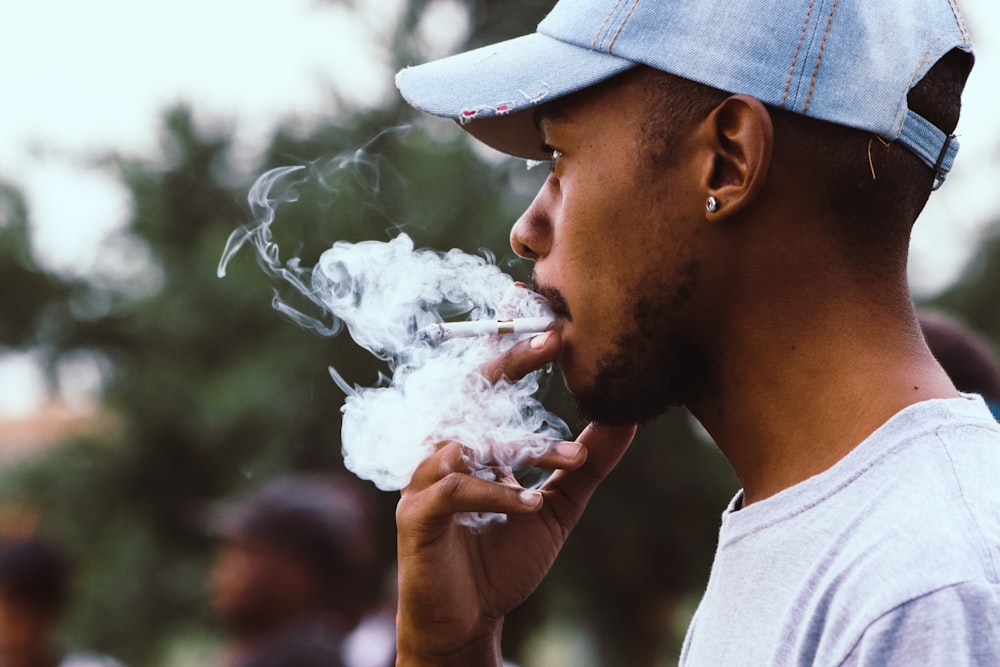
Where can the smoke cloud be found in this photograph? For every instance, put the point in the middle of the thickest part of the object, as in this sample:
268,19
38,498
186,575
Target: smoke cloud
383,293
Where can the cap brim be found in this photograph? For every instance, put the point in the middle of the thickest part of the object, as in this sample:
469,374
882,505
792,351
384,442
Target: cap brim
492,90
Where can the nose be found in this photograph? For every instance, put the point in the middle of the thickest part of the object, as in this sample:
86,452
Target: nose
531,235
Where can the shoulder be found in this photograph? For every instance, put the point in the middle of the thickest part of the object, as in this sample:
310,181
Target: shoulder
925,518
932,489
956,625
914,539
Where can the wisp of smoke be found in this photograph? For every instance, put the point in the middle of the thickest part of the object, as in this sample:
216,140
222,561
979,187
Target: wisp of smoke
383,293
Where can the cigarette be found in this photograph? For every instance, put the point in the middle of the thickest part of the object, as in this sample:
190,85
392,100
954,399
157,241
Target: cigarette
438,333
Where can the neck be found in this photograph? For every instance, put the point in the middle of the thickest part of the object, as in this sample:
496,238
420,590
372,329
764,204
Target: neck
799,388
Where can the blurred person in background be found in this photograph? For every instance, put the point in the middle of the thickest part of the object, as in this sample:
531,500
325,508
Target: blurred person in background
295,575
967,358
35,579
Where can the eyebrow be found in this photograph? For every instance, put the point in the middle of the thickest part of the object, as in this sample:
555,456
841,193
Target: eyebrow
553,111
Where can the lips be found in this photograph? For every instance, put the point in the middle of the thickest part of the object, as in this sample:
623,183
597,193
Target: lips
554,298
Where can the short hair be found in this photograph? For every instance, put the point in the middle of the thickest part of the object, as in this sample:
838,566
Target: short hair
35,571
876,188
674,105
325,523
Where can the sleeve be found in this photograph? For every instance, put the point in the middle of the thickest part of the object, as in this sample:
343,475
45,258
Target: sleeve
957,625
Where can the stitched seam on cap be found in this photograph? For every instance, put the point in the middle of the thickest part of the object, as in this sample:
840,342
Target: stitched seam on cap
622,26
819,56
798,47
593,45
959,21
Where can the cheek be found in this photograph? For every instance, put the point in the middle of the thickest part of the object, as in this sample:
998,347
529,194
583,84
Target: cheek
596,326
233,580
608,240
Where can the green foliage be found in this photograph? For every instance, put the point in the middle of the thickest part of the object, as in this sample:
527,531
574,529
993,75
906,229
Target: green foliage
21,282
211,390
974,298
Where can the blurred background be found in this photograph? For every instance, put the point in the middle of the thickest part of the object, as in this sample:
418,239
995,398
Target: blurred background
139,393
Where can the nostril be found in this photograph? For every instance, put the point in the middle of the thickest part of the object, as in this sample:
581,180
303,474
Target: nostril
518,244
524,251
531,235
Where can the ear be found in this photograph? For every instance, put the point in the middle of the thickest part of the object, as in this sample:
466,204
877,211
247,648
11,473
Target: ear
740,138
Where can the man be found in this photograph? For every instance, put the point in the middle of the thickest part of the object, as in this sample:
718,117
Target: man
725,227
34,594
294,573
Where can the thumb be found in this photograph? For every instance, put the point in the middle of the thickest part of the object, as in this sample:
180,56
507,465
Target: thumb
572,489
605,446
525,357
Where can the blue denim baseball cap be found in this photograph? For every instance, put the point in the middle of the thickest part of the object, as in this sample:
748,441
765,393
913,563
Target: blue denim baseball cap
850,62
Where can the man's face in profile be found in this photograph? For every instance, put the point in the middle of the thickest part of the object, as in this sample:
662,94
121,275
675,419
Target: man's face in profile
616,254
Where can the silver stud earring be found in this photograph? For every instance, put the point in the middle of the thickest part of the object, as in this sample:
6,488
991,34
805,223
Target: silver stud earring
712,205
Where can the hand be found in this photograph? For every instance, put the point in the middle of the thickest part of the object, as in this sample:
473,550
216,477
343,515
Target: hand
456,586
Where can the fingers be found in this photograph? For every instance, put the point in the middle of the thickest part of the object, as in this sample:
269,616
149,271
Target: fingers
568,490
527,356
465,493
445,484
605,446
564,455
442,486
453,457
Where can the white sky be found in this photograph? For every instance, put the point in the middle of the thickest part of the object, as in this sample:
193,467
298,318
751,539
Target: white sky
88,76
83,77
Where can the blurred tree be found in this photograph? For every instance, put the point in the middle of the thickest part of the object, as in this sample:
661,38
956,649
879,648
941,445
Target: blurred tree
213,390
974,297
25,291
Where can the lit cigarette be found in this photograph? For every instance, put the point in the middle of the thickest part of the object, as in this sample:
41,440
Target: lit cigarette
437,333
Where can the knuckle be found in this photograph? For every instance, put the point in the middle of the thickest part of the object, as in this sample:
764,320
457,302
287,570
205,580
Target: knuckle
501,367
451,484
405,508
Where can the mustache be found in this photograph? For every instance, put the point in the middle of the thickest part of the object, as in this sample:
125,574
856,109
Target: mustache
557,302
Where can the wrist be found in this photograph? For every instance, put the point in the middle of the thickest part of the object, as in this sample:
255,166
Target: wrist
421,650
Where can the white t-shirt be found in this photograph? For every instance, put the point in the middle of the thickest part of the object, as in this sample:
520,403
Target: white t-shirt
890,557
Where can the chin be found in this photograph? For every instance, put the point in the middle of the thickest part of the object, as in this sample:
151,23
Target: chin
635,384
575,384
617,410
575,376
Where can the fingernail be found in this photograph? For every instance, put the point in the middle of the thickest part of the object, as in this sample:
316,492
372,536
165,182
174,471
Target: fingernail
518,283
568,449
531,498
538,342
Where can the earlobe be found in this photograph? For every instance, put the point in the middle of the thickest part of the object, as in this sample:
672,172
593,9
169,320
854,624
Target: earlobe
740,135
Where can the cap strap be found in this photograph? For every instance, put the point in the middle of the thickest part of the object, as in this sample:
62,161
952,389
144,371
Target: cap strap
934,147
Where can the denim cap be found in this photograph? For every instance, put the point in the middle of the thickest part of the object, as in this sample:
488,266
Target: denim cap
850,62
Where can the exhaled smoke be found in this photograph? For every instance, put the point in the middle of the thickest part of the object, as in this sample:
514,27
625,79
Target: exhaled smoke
384,292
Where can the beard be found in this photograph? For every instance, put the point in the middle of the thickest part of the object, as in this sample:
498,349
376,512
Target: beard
654,365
